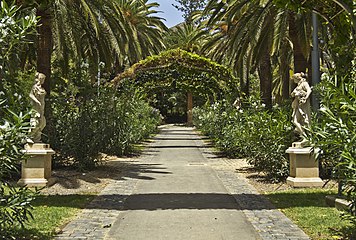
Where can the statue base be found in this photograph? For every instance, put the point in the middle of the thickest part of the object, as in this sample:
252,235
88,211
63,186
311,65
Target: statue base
304,168
36,170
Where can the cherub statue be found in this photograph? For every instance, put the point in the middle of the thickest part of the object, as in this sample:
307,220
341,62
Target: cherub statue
301,103
38,120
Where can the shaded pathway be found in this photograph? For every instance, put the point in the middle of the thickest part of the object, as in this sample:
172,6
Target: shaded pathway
192,195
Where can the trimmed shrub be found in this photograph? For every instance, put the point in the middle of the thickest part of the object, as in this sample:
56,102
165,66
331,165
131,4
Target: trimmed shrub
88,121
254,133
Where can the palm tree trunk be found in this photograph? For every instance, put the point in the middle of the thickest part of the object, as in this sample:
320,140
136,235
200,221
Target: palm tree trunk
300,61
284,70
285,86
44,53
265,75
247,84
44,47
241,73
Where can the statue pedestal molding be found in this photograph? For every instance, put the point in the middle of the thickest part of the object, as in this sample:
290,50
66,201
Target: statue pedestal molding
304,168
36,170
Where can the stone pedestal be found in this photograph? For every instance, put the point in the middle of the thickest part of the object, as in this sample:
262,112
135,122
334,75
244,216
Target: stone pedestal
304,168
36,170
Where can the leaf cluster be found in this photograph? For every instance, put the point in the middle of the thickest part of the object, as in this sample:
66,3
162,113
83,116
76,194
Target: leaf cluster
15,208
15,29
15,203
253,132
89,121
179,69
334,132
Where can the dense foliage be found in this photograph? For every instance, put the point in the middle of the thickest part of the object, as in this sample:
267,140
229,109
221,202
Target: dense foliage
335,133
85,121
179,71
15,29
254,133
15,203
90,120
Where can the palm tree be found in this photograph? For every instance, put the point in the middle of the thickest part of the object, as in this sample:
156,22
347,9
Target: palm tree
251,32
187,36
117,32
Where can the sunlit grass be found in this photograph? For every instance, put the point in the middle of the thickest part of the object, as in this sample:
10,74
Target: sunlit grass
50,214
308,209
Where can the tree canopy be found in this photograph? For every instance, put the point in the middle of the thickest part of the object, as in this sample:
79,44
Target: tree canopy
182,70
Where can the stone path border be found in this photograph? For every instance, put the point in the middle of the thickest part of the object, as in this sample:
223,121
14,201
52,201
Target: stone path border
95,221
269,222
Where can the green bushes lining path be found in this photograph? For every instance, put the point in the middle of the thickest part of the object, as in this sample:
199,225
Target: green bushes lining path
92,123
335,134
263,136
259,135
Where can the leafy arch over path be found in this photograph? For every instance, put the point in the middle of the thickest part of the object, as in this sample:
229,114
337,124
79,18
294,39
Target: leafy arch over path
181,70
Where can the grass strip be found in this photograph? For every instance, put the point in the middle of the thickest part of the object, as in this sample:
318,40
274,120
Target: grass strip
307,208
50,214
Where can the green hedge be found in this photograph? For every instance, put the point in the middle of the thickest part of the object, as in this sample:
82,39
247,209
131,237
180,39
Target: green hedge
254,133
86,122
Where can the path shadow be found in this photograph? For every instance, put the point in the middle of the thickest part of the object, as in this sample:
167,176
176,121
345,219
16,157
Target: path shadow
177,133
116,170
176,139
175,201
132,168
177,146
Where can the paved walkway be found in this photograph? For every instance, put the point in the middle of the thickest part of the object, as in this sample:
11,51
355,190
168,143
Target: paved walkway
184,192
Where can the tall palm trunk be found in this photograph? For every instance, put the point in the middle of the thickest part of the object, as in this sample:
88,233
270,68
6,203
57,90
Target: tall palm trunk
245,77
44,53
265,75
44,46
247,85
284,70
300,61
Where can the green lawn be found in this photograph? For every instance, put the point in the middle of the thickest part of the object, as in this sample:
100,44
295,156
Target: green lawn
307,208
50,213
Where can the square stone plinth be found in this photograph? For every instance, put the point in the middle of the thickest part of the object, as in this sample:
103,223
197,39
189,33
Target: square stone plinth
36,170
304,168
305,182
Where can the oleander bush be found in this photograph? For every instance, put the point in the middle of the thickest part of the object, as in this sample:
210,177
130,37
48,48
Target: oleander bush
88,121
15,203
335,135
260,135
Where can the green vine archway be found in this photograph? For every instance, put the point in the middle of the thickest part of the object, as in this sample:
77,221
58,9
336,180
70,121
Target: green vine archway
179,69
175,75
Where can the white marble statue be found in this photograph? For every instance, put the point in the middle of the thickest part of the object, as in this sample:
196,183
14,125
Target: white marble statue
301,103
38,120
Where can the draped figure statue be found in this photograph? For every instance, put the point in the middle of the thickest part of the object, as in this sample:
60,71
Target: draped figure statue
38,120
301,103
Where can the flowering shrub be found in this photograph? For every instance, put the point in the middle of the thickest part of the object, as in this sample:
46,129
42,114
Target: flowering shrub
254,133
335,134
88,121
15,203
